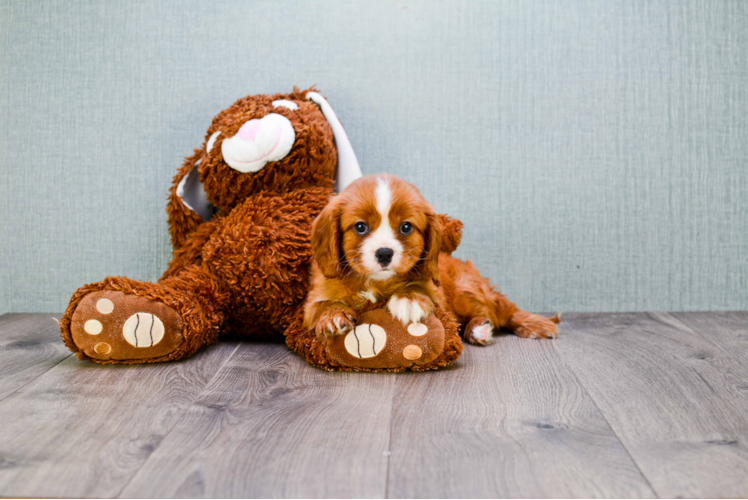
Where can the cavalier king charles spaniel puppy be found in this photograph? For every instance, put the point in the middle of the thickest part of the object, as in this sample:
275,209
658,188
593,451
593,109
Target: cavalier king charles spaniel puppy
380,241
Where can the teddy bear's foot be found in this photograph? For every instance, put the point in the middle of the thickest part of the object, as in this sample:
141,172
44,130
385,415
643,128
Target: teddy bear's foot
380,341
112,325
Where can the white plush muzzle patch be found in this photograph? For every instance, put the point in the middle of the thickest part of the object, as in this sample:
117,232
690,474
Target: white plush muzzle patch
258,143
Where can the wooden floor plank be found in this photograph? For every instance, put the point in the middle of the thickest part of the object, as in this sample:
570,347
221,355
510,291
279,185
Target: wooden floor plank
30,345
677,401
726,330
510,420
616,396
83,430
270,425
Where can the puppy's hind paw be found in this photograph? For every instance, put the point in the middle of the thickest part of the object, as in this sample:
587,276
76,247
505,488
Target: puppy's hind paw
479,331
534,326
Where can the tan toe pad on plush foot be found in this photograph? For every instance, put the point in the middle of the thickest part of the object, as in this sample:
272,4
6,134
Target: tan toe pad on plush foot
381,342
115,325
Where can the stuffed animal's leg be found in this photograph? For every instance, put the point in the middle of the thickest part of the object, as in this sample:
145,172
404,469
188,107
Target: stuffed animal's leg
120,320
483,309
380,342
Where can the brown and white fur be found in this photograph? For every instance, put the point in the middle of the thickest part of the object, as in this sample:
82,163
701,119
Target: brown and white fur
379,240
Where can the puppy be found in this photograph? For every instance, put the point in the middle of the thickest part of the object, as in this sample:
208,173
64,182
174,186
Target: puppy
380,241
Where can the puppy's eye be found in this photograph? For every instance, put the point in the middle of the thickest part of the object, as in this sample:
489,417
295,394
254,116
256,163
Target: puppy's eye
406,228
361,228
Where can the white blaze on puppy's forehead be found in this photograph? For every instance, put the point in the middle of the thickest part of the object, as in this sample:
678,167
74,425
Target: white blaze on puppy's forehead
382,236
383,195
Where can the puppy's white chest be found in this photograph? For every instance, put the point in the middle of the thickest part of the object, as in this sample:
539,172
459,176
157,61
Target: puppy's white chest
368,295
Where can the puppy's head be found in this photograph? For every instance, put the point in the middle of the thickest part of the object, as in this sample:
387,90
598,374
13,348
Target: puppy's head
379,227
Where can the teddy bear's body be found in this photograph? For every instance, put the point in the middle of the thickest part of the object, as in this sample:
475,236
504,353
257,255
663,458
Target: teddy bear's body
240,214
242,272
256,258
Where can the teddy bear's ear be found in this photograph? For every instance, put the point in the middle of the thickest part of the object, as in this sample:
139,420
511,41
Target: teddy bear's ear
188,206
348,168
192,193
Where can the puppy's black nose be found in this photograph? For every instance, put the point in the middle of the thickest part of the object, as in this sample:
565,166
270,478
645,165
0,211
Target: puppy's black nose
384,256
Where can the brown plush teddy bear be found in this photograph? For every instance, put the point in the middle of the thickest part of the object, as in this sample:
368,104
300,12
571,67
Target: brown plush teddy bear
240,213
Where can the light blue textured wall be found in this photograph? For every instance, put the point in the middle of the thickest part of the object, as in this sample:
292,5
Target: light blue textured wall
597,151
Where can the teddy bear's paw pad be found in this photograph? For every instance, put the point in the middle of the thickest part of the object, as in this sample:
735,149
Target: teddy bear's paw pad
412,352
365,341
115,325
418,329
143,330
380,341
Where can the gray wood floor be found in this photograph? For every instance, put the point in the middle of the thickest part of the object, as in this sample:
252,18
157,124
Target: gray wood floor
622,405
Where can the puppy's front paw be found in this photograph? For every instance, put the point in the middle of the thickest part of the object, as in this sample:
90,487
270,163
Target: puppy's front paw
479,331
410,310
335,321
534,326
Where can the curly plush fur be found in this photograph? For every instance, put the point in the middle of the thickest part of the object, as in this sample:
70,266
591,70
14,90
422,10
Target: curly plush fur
245,271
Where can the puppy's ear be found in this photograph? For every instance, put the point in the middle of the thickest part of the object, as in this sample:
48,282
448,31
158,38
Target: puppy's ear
432,247
326,239
451,233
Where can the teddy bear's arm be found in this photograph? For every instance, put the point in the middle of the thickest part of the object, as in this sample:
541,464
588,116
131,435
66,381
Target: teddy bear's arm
190,252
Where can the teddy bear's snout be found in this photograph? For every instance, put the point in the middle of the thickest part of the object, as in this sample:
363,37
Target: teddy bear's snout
258,142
